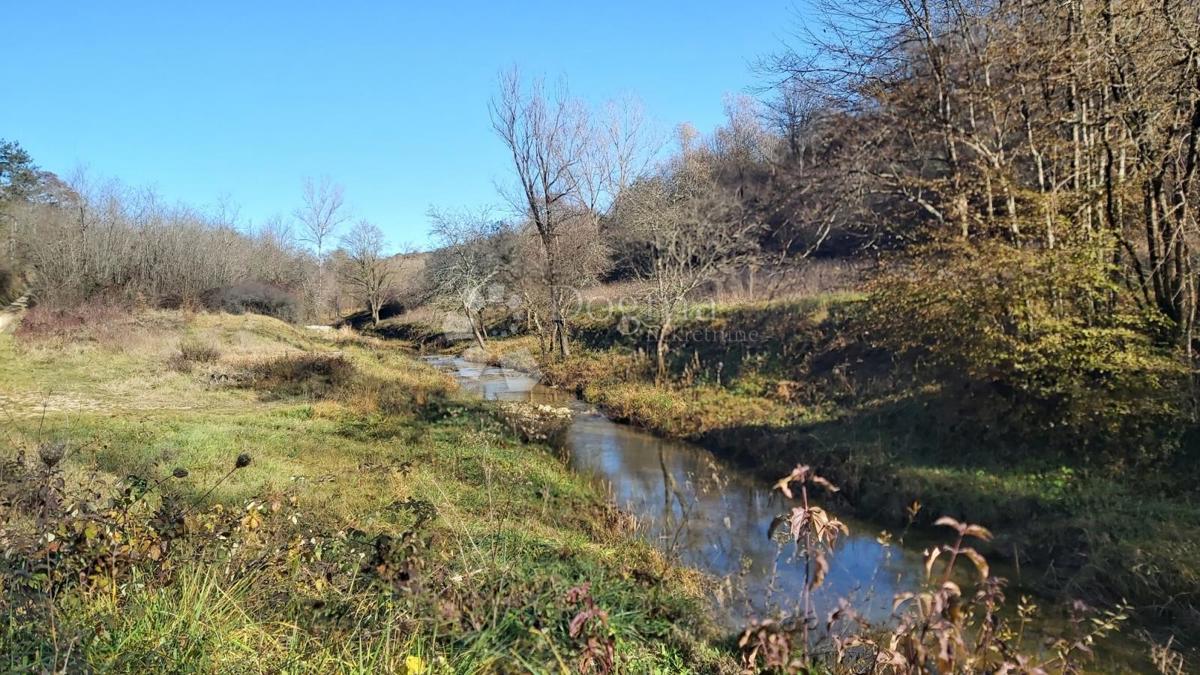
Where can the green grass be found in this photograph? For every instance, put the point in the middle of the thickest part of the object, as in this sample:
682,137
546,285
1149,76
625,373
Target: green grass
1097,532
691,414
514,528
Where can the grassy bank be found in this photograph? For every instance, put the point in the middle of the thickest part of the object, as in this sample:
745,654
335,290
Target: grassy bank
773,385
231,494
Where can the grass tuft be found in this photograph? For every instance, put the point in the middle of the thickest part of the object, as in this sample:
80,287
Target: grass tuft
383,524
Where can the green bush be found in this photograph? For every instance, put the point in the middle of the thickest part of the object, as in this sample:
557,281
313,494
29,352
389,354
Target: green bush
1036,346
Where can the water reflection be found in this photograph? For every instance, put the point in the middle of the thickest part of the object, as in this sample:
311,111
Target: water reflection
715,519
711,517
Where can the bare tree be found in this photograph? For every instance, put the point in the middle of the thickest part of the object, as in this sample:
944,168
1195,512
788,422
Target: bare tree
467,262
279,254
322,212
127,243
1040,123
547,138
366,267
621,145
808,186
683,230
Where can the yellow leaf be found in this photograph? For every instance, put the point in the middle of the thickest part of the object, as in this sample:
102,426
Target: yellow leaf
782,486
824,483
978,531
252,520
930,557
977,558
949,522
820,569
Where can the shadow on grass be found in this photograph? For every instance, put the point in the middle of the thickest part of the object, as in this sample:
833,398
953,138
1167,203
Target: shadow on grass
1076,532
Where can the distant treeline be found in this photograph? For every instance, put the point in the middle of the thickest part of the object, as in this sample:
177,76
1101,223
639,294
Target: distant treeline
82,242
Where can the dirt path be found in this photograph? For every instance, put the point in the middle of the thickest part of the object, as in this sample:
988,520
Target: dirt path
10,316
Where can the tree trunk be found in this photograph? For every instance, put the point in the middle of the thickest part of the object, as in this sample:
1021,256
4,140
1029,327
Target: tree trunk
560,326
962,214
550,244
12,241
661,353
476,326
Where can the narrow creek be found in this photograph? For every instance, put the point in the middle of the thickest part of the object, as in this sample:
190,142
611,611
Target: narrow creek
715,518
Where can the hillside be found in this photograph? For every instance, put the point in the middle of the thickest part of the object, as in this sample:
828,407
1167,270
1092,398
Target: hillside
769,385
217,492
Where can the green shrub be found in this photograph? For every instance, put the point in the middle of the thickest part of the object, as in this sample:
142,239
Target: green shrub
1036,346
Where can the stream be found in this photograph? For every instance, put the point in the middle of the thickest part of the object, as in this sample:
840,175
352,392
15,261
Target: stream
715,518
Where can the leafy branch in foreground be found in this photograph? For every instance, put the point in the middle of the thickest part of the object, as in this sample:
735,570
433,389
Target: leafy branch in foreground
937,628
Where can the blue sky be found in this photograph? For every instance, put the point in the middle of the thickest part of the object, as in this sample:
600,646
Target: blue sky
243,99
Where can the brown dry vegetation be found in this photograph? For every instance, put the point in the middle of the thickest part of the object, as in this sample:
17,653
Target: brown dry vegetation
322,503
891,429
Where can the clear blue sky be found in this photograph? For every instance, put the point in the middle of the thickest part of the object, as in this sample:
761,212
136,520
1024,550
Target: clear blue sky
244,99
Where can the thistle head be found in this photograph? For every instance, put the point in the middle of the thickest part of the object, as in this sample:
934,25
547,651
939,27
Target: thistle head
52,453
